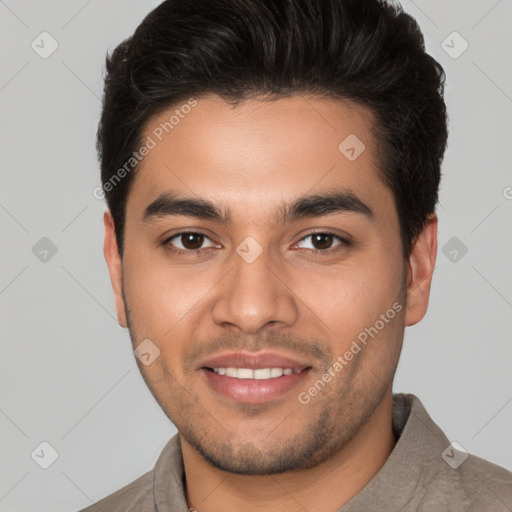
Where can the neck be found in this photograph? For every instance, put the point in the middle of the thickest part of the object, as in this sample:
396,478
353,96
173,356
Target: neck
325,487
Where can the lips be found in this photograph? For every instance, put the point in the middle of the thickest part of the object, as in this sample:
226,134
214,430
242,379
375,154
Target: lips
253,377
253,360
258,373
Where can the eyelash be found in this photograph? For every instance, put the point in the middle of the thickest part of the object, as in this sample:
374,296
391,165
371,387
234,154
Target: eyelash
196,252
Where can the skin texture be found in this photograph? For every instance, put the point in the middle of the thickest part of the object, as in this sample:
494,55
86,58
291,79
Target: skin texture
250,159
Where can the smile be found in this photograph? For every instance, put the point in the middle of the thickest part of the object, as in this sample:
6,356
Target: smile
258,374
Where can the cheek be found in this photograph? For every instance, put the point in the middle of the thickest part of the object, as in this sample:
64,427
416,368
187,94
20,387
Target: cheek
353,297
163,299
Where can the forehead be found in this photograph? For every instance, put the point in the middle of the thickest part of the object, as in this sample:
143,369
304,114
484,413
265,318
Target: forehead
259,153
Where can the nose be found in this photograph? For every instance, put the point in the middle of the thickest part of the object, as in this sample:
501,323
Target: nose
254,295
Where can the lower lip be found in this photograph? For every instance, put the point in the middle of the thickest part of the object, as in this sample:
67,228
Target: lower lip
253,391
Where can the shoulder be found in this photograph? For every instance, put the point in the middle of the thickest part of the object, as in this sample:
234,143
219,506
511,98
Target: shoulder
135,496
488,485
442,472
163,485
475,486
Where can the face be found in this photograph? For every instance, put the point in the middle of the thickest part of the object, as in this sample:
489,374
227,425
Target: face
265,265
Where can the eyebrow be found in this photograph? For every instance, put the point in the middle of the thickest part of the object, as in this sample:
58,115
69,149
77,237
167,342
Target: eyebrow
308,206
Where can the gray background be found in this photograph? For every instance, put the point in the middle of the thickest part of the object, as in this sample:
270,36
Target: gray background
67,372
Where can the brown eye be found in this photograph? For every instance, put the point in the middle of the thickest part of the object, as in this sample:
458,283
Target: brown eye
192,241
322,240
188,242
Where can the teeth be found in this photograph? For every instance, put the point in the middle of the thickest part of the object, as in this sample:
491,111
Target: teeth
262,373
244,373
258,374
230,372
276,372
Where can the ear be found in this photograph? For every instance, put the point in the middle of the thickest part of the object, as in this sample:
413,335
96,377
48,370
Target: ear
420,268
115,268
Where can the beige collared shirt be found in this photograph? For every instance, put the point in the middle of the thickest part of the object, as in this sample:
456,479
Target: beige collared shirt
424,473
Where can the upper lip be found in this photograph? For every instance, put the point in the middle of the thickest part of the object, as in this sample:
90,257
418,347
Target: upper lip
253,360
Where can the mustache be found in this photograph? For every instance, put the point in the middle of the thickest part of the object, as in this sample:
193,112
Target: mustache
311,348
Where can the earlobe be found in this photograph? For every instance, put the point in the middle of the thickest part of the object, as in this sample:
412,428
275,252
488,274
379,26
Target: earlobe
113,259
421,265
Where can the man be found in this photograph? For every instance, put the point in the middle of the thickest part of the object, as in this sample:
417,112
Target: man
271,169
